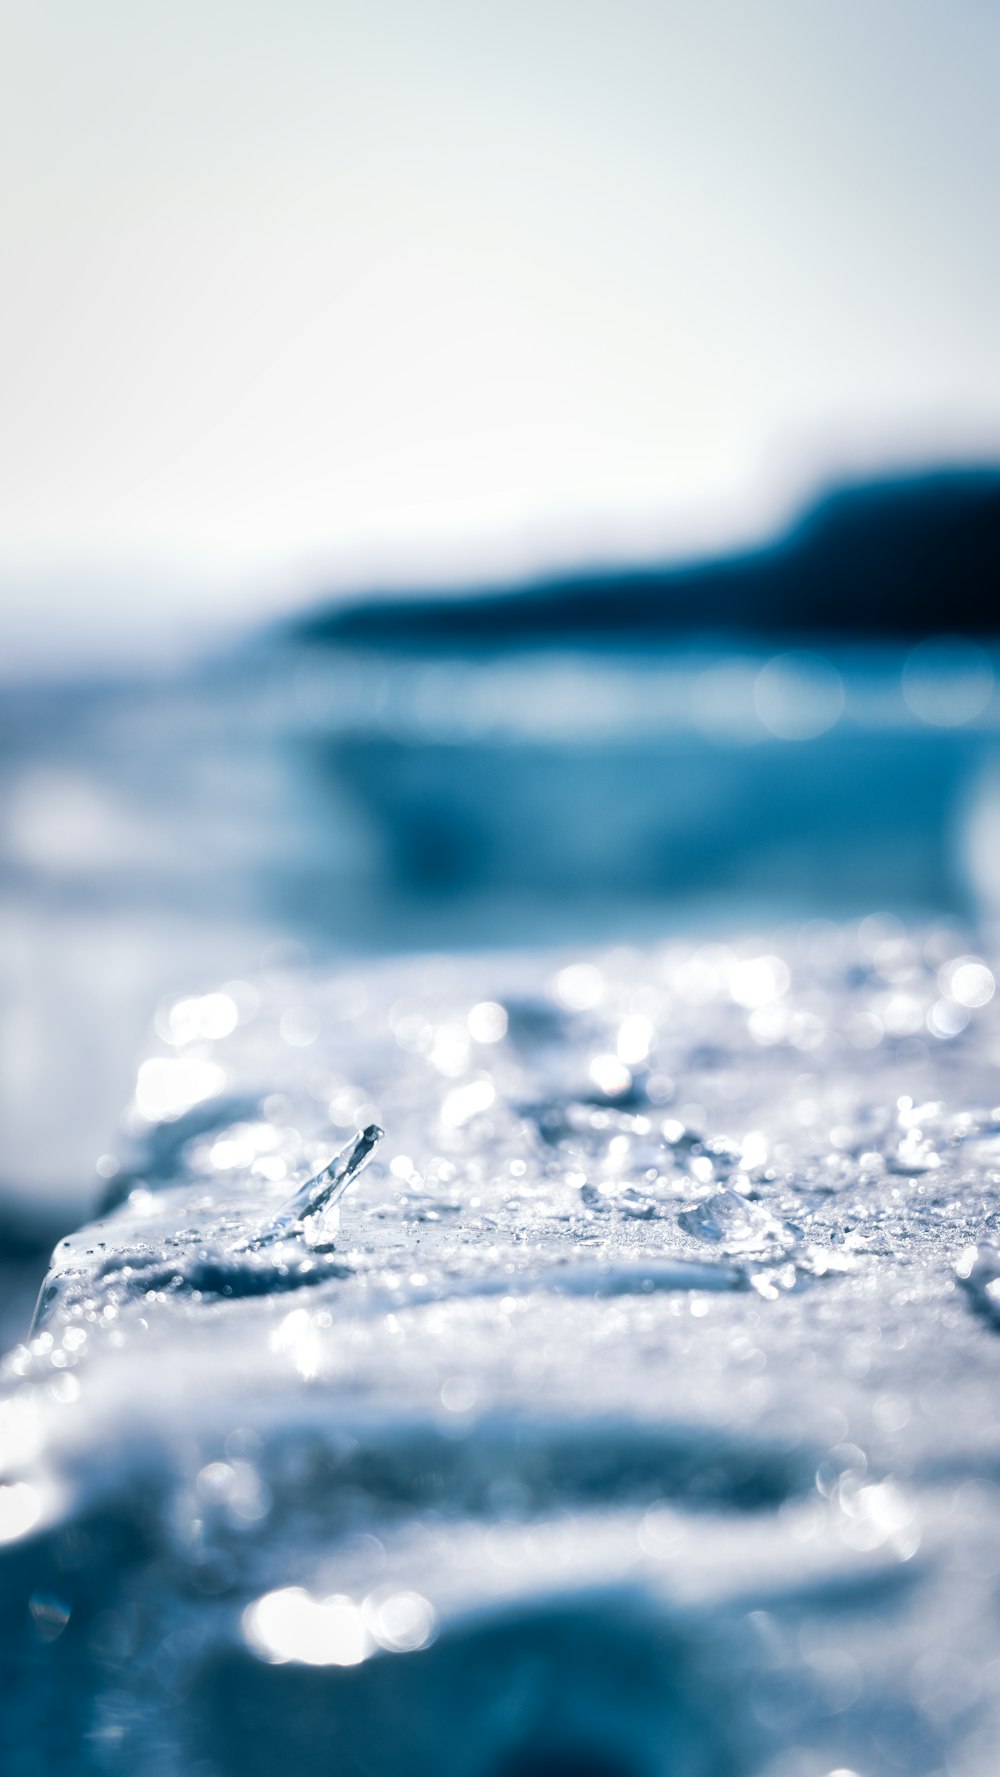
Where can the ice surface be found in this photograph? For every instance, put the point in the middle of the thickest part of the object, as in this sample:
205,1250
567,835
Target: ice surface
638,1419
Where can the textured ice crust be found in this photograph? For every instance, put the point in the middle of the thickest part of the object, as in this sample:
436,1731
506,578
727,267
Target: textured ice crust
638,1419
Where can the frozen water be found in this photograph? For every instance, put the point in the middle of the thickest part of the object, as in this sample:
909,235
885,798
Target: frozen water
731,1221
979,1270
633,1412
313,1213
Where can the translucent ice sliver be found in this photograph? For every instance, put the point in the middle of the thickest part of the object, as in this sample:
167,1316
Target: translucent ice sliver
313,1213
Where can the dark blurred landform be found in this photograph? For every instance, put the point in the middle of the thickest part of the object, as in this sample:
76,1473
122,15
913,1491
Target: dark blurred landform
674,797
900,556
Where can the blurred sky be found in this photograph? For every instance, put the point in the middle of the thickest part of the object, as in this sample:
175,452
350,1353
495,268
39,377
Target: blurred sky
306,294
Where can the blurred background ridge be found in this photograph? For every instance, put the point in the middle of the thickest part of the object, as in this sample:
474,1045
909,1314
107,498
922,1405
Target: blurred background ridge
903,555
